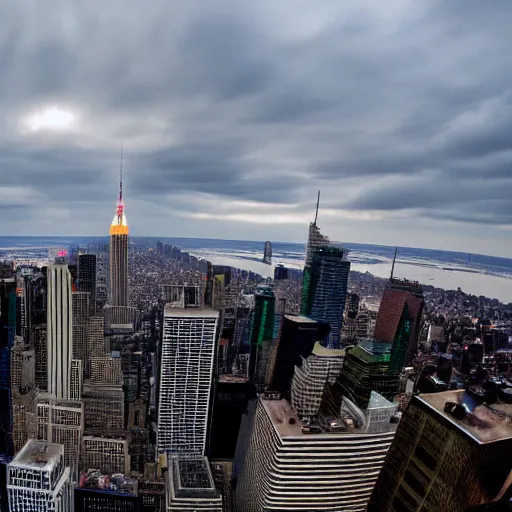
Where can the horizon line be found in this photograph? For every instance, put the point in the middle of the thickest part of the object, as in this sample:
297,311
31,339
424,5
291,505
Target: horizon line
260,241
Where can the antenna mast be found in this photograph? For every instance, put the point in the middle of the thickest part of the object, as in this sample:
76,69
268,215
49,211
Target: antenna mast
317,205
121,176
393,266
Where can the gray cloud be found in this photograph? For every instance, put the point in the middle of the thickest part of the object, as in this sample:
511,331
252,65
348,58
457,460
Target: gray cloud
385,108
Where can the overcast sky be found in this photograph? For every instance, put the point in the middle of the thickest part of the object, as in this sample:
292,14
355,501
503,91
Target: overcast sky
234,113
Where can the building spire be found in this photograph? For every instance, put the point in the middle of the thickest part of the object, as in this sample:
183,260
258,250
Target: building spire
119,225
393,266
317,206
121,176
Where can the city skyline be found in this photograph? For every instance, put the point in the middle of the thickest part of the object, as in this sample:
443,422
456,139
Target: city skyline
397,112
247,403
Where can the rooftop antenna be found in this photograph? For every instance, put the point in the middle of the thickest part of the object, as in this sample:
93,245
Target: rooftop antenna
317,205
121,176
393,266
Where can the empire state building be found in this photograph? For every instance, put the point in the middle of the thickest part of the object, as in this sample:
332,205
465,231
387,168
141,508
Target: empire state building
119,254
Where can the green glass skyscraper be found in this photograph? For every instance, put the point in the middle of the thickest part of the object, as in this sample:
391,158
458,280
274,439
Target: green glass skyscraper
262,328
324,289
264,316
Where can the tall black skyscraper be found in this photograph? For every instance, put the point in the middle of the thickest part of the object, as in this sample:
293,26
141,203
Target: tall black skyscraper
7,331
87,277
297,339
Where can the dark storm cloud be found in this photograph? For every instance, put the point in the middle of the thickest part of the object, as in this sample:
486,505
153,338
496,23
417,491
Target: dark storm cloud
57,174
31,164
385,107
205,168
199,167
224,58
483,211
55,76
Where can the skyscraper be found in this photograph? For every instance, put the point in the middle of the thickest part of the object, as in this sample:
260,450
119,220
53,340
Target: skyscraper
367,367
350,319
7,333
310,379
103,406
95,337
280,272
324,292
288,466
59,330
261,331
38,480
87,278
187,361
106,454
100,249
190,485
80,323
297,339
267,253
119,253
449,453
315,237
401,299
77,379
61,422
103,395
39,335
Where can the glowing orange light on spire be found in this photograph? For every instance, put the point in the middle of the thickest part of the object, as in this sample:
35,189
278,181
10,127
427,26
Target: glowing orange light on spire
119,225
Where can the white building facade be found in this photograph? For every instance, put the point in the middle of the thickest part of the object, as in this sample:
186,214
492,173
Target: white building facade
188,354
286,469
61,422
59,331
321,367
38,480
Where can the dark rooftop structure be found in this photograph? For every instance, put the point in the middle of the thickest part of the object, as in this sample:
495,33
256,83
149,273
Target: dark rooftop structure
190,485
193,474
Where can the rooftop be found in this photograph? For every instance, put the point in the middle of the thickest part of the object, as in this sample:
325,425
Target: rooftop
373,351
488,423
121,327
94,480
280,412
193,474
227,377
191,477
300,318
38,455
321,351
190,312
377,401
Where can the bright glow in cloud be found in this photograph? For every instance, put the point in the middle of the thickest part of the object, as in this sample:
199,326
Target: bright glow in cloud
281,218
247,217
53,118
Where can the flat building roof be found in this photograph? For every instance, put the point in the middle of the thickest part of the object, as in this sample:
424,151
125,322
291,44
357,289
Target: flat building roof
493,422
169,311
321,351
300,318
192,477
38,455
280,412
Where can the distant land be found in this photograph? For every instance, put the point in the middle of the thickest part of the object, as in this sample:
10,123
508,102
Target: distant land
474,273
